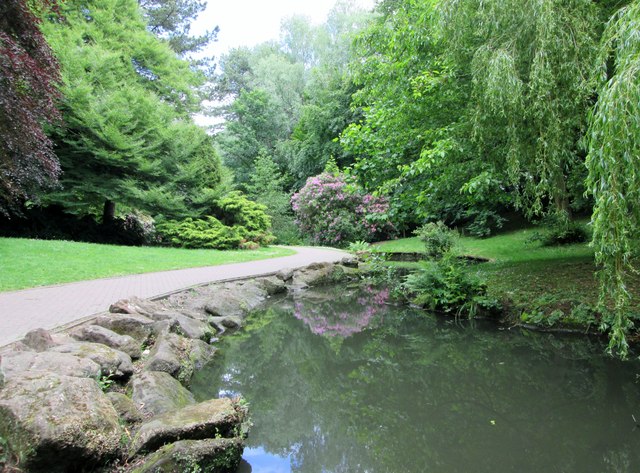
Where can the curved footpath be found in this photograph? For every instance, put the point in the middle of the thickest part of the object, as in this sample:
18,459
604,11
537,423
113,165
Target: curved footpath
55,306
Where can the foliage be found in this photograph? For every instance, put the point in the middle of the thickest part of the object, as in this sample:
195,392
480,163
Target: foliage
127,137
171,20
241,223
438,239
199,233
28,78
267,188
289,100
53,223
412,144
105,382
446,285
255,126
359,247
580,315
561,231
236,209
613,166
330,211
531,67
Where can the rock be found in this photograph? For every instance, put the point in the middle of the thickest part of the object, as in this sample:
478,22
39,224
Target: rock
223,323
236,299
210,419
201,353
135,305
136,326
316,274
54,423
186,326
164,327
13,365
156,392
168,354
272,285
125,407
285,274
98,334
349,262
41,340
38,339
194,314
214,455
112,362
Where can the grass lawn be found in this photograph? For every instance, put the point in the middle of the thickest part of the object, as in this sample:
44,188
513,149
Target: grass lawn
524,271
29,263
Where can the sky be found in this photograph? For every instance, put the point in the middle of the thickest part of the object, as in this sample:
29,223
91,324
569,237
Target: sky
250,22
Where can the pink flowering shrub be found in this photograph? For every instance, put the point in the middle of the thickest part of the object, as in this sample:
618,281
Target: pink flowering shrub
332,212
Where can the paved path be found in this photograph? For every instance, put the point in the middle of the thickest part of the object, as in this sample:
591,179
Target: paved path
54,306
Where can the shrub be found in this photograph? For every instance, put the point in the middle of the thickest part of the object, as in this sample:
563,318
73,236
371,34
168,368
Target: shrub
199,233
482,222
438,239
573,232
236,210
242,224
560,230
331,211
447,286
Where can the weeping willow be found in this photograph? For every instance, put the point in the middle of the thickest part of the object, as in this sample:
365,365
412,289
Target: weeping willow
531,66
613,163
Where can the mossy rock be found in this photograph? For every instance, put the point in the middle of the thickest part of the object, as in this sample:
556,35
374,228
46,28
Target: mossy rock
156,392
205,456
55,423
216,418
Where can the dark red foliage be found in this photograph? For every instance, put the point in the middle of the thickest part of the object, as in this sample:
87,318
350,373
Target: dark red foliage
28,94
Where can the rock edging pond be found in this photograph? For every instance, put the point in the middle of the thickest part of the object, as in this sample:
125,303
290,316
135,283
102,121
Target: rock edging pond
113,393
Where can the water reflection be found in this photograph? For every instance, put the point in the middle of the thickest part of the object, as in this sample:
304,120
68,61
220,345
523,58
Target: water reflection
339,381
335,313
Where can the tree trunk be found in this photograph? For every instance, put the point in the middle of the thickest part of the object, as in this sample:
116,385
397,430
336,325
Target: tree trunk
561,198
109,212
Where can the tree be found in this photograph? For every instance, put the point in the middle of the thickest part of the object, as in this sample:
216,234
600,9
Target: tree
531,66
289,100
410,142
28,78
128,137
255,127
171,20
614,171
267,188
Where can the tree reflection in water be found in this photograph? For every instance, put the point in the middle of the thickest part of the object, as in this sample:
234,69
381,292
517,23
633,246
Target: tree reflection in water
340,381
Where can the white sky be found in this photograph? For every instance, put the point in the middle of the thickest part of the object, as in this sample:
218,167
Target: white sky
250,22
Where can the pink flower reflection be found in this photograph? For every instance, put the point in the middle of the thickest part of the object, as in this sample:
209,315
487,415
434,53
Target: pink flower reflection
343,315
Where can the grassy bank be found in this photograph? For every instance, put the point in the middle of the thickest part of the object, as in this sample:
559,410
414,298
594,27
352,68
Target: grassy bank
29,263
525,276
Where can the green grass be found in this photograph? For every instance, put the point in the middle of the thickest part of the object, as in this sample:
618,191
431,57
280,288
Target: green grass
29,263
524,271
512,247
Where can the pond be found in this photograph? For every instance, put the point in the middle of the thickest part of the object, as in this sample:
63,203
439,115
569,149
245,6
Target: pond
339,380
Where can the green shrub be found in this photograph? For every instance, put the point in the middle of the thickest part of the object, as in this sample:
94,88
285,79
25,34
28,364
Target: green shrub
573,232
446,285
242,223
235,209
559,229
438,239
200,233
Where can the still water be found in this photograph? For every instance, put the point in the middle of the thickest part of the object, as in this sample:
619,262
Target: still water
338,380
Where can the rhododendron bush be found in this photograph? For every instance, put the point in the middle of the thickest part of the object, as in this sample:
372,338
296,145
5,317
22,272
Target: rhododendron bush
333,212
